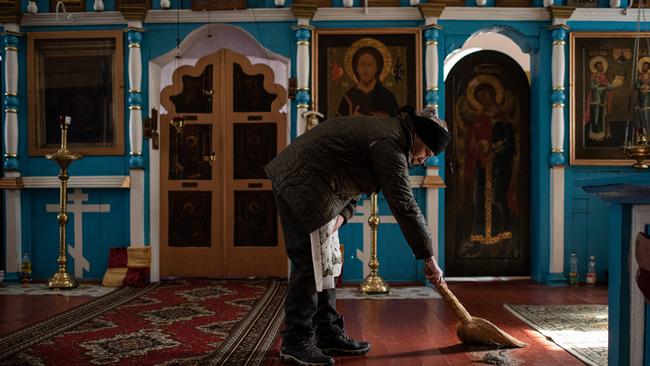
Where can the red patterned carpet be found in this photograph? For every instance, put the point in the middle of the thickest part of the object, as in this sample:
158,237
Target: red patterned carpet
181,322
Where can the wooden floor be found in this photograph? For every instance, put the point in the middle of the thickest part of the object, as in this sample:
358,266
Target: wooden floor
422,332
402,332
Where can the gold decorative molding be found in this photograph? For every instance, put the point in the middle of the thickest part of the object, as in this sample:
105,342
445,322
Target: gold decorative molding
11,183
304,8
431,10
433,181
556,26
561,12
133,29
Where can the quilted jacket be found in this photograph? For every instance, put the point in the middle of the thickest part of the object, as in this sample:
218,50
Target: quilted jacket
322,173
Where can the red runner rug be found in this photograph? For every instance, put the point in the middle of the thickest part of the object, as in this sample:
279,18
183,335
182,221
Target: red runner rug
180,322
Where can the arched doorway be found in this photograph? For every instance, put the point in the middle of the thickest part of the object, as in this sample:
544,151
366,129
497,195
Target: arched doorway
487,203
218,214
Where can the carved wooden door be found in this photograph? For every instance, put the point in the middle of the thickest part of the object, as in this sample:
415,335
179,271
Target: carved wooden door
487,167
218,216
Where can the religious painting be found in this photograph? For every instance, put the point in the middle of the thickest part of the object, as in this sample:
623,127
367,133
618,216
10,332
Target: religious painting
610,97
487,174
190,214
366,72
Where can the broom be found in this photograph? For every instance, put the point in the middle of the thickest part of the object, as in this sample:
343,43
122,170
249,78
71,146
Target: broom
472,330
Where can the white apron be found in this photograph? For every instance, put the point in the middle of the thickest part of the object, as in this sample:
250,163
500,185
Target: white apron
326,255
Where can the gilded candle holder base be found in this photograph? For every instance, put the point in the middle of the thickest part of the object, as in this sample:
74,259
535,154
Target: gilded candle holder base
638,153
373,284
62,280
639,150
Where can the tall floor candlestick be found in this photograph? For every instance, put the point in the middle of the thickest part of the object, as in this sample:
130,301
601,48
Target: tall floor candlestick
373,284
63,157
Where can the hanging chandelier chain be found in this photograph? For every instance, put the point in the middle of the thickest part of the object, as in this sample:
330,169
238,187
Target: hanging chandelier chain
637,39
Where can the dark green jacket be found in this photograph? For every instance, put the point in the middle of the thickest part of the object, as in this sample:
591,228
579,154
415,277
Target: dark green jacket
322,173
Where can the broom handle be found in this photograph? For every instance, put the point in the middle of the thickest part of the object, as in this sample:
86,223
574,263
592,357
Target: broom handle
458,308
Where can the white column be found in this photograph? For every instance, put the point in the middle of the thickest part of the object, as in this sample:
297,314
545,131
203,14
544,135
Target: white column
134,36
557,220
557,160
136,162
303,96
11,40
431,34
432,182
13,209
13,229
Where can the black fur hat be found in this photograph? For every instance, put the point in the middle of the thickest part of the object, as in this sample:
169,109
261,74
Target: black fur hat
429,128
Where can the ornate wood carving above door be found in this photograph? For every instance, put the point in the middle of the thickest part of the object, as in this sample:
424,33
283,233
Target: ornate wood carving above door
218,4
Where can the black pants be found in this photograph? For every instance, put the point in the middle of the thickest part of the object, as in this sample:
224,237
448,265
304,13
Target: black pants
306,310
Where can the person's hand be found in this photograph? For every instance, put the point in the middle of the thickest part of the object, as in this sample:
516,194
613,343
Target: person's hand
432,271
339,221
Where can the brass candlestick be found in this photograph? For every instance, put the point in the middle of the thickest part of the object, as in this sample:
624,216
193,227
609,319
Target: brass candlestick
63,157
639,150
373,284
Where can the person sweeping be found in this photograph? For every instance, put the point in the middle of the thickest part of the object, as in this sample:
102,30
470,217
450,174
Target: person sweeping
317,180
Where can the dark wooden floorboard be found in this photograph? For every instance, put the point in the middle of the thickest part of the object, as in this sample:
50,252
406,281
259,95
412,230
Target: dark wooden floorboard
402,332
423,332
19,311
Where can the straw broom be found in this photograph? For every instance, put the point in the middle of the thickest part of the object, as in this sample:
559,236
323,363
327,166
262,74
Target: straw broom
472,330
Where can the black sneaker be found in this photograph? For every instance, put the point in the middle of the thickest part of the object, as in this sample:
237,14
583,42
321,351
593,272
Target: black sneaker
340,344
305,353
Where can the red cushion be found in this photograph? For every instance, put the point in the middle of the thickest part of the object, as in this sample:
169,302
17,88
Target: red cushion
117,257
137,277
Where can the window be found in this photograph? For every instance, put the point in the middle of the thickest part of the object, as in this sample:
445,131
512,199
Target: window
76,74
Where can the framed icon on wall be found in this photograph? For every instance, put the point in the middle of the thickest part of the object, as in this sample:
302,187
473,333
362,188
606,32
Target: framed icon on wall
366,72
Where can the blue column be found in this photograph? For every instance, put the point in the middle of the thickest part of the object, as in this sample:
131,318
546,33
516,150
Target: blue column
134,39
431,36
11,103
558,96
303,95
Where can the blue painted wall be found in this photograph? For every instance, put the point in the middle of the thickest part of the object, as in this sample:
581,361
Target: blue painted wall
101,230
585,217
587,222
